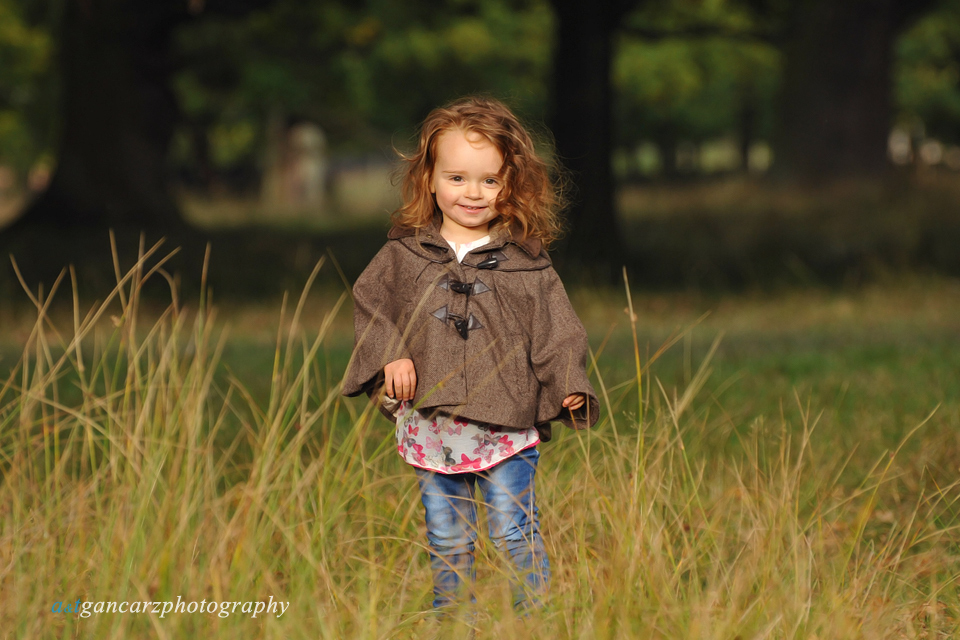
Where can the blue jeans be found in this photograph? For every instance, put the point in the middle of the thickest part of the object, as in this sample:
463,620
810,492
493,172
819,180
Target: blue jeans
510,503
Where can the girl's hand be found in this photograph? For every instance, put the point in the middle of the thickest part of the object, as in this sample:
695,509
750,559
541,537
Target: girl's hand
400,379
574,401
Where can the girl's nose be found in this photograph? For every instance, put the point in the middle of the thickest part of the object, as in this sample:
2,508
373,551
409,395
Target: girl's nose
473,190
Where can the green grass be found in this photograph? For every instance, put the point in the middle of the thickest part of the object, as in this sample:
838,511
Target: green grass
789,473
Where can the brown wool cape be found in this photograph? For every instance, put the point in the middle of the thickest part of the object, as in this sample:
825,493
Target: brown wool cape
493,339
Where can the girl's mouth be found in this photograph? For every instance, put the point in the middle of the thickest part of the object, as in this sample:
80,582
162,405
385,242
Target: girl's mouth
472,209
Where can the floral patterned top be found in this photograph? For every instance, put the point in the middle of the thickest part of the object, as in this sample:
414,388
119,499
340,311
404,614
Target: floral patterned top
450,445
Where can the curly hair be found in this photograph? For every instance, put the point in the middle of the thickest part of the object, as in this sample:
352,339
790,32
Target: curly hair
530,202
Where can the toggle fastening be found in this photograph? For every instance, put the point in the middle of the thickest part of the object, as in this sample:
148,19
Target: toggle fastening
463,325
466,288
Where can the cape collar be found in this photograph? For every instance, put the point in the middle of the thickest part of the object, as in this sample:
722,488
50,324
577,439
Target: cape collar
430,234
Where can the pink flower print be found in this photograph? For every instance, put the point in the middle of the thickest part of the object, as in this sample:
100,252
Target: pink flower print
434,427
434,445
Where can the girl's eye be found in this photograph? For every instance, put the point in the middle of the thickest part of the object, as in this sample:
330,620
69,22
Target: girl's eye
456,178
490,181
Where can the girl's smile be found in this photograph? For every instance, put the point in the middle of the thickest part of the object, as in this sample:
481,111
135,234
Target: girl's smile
466,182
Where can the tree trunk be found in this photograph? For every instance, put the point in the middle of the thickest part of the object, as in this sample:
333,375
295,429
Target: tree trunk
836,97
582,125
118,116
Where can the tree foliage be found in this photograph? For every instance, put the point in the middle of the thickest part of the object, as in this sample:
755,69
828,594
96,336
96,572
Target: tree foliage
695,89
26,90
363,73
928,75
682,70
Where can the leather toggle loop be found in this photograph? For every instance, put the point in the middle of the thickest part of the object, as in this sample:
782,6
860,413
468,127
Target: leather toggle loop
496,257
465,288
479,286
463,325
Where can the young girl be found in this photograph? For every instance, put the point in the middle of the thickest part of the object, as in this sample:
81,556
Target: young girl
466,337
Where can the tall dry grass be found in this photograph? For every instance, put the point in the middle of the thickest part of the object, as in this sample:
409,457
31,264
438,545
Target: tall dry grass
135,468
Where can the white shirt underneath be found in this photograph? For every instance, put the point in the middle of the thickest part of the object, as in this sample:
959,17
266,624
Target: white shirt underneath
463,249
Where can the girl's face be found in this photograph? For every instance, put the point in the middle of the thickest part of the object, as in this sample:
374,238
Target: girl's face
466,184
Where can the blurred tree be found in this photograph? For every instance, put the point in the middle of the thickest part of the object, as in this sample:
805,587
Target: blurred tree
675,89
582,122
362,72
202,79
386,65
836,102
928,75
456,48
26,49
117,114
690,70
116,117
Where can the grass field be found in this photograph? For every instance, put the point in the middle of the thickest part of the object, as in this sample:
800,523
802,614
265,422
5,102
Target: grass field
767,466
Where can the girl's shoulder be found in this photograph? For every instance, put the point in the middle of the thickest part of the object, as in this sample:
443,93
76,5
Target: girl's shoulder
508,254
400,240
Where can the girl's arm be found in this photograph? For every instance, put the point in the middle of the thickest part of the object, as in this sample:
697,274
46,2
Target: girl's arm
378,342
558,354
